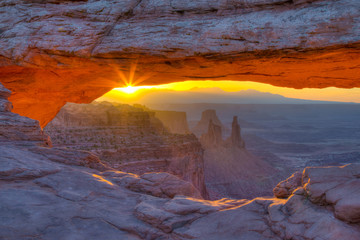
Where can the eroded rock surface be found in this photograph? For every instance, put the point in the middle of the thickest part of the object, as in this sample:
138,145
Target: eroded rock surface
335,186
61,194
130,139
285,188
72,51
18,129
230,170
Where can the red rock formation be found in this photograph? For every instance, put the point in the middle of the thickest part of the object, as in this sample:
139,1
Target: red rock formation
213,137
229,169
16,128
53,52
130,139
106,114
203,125
235,138
285,188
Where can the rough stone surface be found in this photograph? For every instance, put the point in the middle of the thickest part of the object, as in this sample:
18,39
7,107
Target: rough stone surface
18,129
159,184
285,188
53,200
73,50
54,194
336,186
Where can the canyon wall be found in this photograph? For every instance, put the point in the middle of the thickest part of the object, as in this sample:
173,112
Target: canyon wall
106,114
130,139
53,52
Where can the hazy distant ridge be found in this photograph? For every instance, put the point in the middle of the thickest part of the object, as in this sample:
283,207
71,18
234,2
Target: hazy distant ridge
217,95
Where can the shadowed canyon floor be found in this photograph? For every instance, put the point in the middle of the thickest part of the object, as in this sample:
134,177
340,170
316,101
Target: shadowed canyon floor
49,193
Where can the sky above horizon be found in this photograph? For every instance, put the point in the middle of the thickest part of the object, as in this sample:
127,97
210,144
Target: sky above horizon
141,94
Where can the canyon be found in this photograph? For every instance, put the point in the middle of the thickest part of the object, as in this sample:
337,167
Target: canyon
289,136
163,184
53,52
93,200
131,139
230,169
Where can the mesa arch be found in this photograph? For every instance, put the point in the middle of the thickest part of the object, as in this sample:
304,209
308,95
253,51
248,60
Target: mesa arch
53,52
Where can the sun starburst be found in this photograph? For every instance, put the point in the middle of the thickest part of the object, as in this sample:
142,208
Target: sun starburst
130,81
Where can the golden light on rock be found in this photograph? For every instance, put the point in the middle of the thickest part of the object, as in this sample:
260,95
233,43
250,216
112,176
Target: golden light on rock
101,179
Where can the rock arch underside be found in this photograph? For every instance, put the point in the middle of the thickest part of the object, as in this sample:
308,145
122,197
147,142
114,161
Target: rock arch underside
53,52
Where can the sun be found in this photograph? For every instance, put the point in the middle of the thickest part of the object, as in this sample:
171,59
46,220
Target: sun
128,89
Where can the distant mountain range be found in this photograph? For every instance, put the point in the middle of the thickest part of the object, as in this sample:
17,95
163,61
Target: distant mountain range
217,95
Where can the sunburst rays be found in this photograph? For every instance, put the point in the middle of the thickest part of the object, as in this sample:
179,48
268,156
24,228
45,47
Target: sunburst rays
132,78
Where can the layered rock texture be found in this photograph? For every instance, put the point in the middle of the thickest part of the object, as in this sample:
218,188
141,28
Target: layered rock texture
323,206
131,139
53,52
18,129
52,193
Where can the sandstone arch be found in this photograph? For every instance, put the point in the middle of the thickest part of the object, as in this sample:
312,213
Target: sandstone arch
54,52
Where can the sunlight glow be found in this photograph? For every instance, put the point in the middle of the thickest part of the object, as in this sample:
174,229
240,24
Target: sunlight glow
134,94
129,82
101,179
129,89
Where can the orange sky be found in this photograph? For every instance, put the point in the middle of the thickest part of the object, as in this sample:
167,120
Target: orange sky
134,94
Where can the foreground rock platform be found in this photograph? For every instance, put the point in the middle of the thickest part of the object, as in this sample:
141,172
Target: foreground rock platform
52,193
53,52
